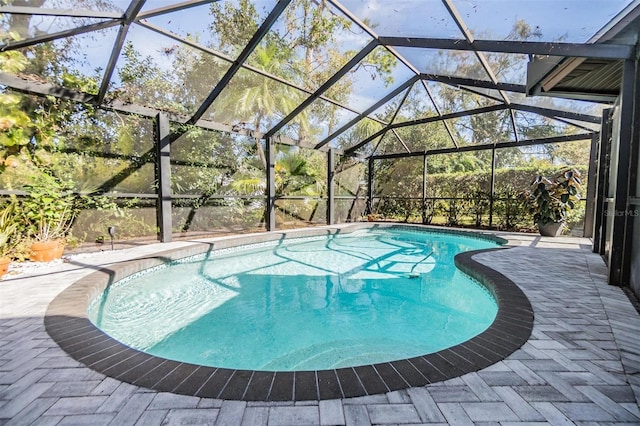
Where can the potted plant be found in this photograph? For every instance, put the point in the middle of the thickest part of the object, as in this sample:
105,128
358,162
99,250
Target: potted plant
49,210
8,229
549,200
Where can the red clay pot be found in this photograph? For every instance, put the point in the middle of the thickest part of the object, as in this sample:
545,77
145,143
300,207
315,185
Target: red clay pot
60,250
46,251
4,265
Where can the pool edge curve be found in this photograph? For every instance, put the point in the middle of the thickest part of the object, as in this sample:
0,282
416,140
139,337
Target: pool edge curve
67,323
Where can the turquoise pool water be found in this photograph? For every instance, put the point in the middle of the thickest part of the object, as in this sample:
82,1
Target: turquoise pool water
303,304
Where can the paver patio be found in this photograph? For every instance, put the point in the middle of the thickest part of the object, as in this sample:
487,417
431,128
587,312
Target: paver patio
580,366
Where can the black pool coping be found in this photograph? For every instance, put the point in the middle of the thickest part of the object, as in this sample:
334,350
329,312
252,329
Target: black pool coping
67,323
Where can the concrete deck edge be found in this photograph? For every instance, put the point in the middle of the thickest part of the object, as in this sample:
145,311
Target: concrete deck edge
67,323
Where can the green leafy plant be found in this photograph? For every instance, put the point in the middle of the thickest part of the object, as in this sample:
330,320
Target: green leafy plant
429,211
511,212
454,209
49,208
120,215
550,200
8,229
479,205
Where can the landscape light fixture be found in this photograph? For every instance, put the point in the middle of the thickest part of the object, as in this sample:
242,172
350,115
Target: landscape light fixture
112,232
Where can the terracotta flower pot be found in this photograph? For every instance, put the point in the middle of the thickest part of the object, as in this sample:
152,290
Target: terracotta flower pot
60,250
45,251
4,265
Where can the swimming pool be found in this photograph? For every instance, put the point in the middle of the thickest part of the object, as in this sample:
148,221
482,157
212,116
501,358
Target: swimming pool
68,324
316,303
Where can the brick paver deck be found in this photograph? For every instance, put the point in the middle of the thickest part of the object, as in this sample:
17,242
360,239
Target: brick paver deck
580,366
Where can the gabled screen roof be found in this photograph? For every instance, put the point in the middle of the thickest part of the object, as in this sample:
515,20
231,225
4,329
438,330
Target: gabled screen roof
351,74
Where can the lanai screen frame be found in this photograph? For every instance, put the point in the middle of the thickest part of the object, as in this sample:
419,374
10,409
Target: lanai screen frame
163,137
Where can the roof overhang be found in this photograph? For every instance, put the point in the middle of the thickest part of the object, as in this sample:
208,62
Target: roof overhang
587,78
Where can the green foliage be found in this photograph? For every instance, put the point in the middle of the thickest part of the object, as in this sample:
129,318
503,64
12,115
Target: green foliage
550,200
380,63
126,216
143,82
575,217
8,229
306,50
362,130
49,208
486,128
111,152
296,174
508,207
349,175
429,211
12,61
453,209
479,203
402,209
15,124
233,23
31,124
254,99
461,198
249,181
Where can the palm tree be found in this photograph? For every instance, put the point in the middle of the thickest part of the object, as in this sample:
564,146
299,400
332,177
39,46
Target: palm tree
251,98
294,175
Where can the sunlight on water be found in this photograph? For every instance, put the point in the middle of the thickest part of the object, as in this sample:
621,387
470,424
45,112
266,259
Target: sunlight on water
304,304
